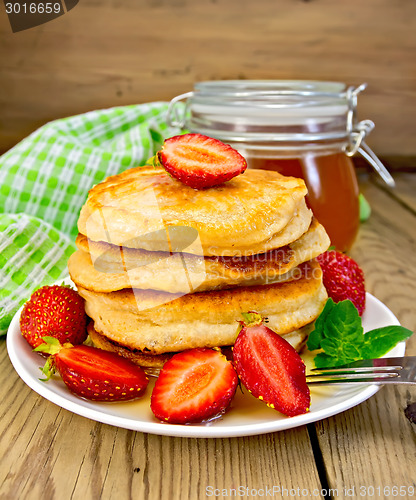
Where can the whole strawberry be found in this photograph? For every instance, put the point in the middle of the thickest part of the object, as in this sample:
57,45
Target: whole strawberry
54,311
343,278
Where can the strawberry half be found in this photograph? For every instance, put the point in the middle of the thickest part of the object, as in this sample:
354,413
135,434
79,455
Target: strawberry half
56,311
270,368
193,386
200,161
343,278
92,373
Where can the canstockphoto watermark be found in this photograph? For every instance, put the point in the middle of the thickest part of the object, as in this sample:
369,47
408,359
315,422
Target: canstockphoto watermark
174,255
149,253
361,491
268,491
25,14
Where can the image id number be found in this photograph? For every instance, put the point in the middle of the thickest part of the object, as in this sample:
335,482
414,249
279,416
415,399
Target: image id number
387,491
33,8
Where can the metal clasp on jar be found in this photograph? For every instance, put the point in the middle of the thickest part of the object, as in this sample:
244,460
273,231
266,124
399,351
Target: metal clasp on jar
357,133
172,116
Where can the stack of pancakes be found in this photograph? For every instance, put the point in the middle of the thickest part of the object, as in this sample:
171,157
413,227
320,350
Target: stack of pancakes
164,267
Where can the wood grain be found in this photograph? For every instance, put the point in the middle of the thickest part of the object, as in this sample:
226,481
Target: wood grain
109,53
373,444
386,249
50,453
404,191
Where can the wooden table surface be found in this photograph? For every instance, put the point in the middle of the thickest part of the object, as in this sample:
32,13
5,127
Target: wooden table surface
50,453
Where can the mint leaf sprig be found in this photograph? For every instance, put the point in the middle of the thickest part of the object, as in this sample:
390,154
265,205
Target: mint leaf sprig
339,335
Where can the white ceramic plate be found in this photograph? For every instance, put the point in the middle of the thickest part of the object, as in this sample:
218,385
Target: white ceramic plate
246,416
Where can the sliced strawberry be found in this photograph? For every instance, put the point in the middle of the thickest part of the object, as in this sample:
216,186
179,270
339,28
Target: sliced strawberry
200,161
271,369
343,278
56,311
94,374
193,386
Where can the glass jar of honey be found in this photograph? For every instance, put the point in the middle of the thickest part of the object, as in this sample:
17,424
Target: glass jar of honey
304,129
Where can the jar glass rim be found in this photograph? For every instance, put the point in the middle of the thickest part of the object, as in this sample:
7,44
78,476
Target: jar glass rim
270,92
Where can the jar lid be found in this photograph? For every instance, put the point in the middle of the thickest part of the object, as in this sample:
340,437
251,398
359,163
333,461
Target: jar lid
268,110
270,94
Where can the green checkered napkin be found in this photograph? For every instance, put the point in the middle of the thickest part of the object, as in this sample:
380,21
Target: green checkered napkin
32,253
44,182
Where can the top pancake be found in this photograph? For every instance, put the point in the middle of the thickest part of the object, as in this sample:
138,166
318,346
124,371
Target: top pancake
253,213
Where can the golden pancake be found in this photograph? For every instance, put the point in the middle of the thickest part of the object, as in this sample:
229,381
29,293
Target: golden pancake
253,213
296,338
159,322
138,357
116,268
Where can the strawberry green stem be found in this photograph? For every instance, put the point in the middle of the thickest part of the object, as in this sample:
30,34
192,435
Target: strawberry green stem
251,318
50,346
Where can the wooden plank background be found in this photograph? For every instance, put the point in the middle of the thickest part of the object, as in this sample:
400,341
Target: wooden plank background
108,52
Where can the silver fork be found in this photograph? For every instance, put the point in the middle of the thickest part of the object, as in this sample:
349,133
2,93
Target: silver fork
373,371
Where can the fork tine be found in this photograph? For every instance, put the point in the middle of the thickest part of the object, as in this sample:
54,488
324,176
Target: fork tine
374,371
352,381
352,377
378,363
359,369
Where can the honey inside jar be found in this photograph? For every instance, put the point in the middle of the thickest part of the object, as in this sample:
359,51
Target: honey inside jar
332,190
